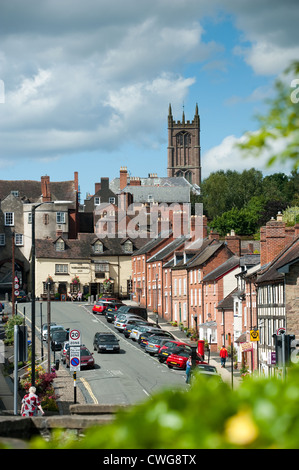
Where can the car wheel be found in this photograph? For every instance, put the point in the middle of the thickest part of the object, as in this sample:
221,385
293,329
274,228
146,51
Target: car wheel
169,366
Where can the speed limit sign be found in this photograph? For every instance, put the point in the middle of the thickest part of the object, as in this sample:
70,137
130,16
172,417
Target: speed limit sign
75,338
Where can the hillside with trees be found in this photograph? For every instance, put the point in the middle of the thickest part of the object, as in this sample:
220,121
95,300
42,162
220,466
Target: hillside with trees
245,201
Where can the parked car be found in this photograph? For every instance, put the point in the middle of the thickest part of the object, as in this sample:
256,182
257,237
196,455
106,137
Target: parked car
64,351
105,342
140,329
58,338
22,297
109,298
52,329
111,315
135,323
86,358
145,337
137,311
113,307
206,370
179,359
45,329
122,321
169,347
154,344
101,306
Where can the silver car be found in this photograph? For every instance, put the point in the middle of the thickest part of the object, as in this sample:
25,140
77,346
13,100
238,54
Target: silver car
45,330
138,330
122,320
156,342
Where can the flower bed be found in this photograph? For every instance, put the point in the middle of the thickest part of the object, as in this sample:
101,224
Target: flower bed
44,387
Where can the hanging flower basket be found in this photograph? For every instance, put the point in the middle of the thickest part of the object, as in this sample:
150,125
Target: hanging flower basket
107,283
75,280
49,279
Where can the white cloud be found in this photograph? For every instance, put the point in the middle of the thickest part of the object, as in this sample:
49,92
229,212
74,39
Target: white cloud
227,156
270,32
267,58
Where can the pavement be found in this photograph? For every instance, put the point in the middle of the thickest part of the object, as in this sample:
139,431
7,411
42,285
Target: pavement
64,383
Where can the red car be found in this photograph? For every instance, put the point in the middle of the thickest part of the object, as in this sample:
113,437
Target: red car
167,348
86,358
180,358
101,305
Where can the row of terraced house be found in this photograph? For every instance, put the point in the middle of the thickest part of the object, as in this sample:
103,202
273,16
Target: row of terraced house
221,289
225,289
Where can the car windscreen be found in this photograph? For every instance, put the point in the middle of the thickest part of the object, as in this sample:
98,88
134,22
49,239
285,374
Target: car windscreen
107,339
84,352
206,368
60,336
122,309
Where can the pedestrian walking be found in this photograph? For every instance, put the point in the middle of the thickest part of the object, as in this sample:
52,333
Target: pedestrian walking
188,369
31,404
223,355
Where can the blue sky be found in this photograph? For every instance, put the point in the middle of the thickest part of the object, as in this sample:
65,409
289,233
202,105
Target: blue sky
87,84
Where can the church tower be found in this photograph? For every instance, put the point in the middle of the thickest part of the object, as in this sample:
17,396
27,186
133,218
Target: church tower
183,152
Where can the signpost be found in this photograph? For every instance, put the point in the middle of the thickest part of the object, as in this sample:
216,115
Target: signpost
75,343
254,335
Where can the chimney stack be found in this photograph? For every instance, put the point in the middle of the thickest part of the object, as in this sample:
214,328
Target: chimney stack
45,186
123,175
234,243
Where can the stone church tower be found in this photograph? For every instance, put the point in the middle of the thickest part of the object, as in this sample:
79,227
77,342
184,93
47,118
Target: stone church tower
183,152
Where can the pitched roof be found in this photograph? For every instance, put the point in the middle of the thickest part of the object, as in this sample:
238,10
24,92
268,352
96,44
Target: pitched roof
205,254
30,191
273,272
81,248
167,250
223,269
228,302
152,243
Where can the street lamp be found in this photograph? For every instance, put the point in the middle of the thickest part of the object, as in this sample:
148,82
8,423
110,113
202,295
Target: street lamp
33,208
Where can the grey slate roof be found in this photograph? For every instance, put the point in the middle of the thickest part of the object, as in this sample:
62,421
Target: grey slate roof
81,248
228,265
30,191
273,271
228,302
205,254
152,243
162,189
167,250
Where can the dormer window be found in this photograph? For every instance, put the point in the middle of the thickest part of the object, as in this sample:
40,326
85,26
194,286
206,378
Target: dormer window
98,247
60,245
128,246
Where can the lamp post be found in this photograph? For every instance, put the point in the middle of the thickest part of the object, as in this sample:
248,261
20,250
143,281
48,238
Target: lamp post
157,315
34,207
33,294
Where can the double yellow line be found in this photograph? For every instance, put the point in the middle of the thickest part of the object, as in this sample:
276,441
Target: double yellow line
87,386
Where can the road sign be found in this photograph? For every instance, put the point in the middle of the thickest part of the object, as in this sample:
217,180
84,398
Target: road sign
75,358
254,335
281,331
17,292
75,338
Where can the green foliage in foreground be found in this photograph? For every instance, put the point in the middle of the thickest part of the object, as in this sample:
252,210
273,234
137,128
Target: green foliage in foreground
259,413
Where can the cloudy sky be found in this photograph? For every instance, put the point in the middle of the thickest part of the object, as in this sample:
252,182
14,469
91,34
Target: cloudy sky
87,84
